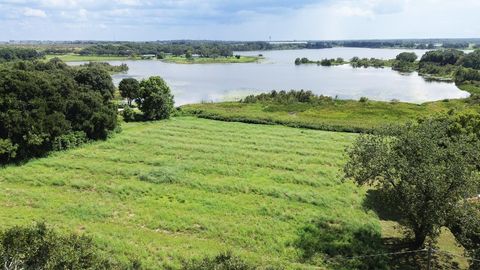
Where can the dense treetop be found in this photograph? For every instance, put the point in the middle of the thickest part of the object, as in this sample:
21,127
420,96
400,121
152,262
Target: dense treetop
48,105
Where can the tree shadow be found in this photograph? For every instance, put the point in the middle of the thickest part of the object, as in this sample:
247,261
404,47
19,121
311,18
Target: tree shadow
342,245
403,257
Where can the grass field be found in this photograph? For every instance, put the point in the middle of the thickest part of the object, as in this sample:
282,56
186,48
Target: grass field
88,58
187,188
211,60
341,115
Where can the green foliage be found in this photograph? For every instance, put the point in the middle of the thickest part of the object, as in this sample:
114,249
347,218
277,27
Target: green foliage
128,114
363,100
326,114
70,140
421,169
404,66
467,75
223,261
372,62
97,79
106,66
471,60
291,96
442,57
43,101
407,57
12,54
39,247
130,89
336,242
155,99
465,225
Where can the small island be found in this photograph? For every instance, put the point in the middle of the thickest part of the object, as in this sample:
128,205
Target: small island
192,59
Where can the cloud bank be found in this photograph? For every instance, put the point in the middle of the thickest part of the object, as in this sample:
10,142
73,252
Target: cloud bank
237,20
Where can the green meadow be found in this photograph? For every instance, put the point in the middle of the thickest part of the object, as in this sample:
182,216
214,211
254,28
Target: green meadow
339,115
89,58
168,191
185,188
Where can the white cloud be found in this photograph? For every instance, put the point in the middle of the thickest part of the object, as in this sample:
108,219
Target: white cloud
31,12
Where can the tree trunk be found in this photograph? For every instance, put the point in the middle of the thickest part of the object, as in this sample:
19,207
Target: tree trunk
420,236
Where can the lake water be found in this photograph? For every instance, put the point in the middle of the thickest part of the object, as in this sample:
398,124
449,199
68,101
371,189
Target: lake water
219,82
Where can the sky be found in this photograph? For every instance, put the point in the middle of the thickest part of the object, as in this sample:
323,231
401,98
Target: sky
143,20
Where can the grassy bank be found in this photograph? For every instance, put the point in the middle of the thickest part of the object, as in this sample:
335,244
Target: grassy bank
340,115
210,60
89,58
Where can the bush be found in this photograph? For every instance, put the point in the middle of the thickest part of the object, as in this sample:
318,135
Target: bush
39,247
223,261
285,97
70,140
128,114
363,99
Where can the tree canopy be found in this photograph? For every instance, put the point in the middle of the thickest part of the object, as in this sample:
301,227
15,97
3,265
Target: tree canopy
129,88
155,99
42,103
422,170
407,57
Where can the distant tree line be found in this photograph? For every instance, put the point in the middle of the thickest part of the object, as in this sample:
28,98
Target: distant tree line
211,49
15,53
48,106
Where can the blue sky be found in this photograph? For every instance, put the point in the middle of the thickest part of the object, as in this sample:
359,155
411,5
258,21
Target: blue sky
237,20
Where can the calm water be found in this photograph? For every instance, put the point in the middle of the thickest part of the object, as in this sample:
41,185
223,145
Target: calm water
219,82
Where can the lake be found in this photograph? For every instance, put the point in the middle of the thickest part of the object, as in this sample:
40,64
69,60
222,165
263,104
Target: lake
194,83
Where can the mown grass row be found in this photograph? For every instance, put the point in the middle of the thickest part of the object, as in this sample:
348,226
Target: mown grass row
185,188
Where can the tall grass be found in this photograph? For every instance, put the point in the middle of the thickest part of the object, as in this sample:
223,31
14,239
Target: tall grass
188,188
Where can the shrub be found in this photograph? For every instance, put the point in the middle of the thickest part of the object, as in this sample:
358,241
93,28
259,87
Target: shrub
223,261
363,99
128,114
39,247
285,97
70,140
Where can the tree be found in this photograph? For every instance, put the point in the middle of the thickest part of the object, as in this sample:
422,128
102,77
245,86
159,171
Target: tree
407,57
129,88
421,170
46,105
155,99
97,79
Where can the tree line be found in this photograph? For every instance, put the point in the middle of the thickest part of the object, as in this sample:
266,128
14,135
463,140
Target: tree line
14,53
